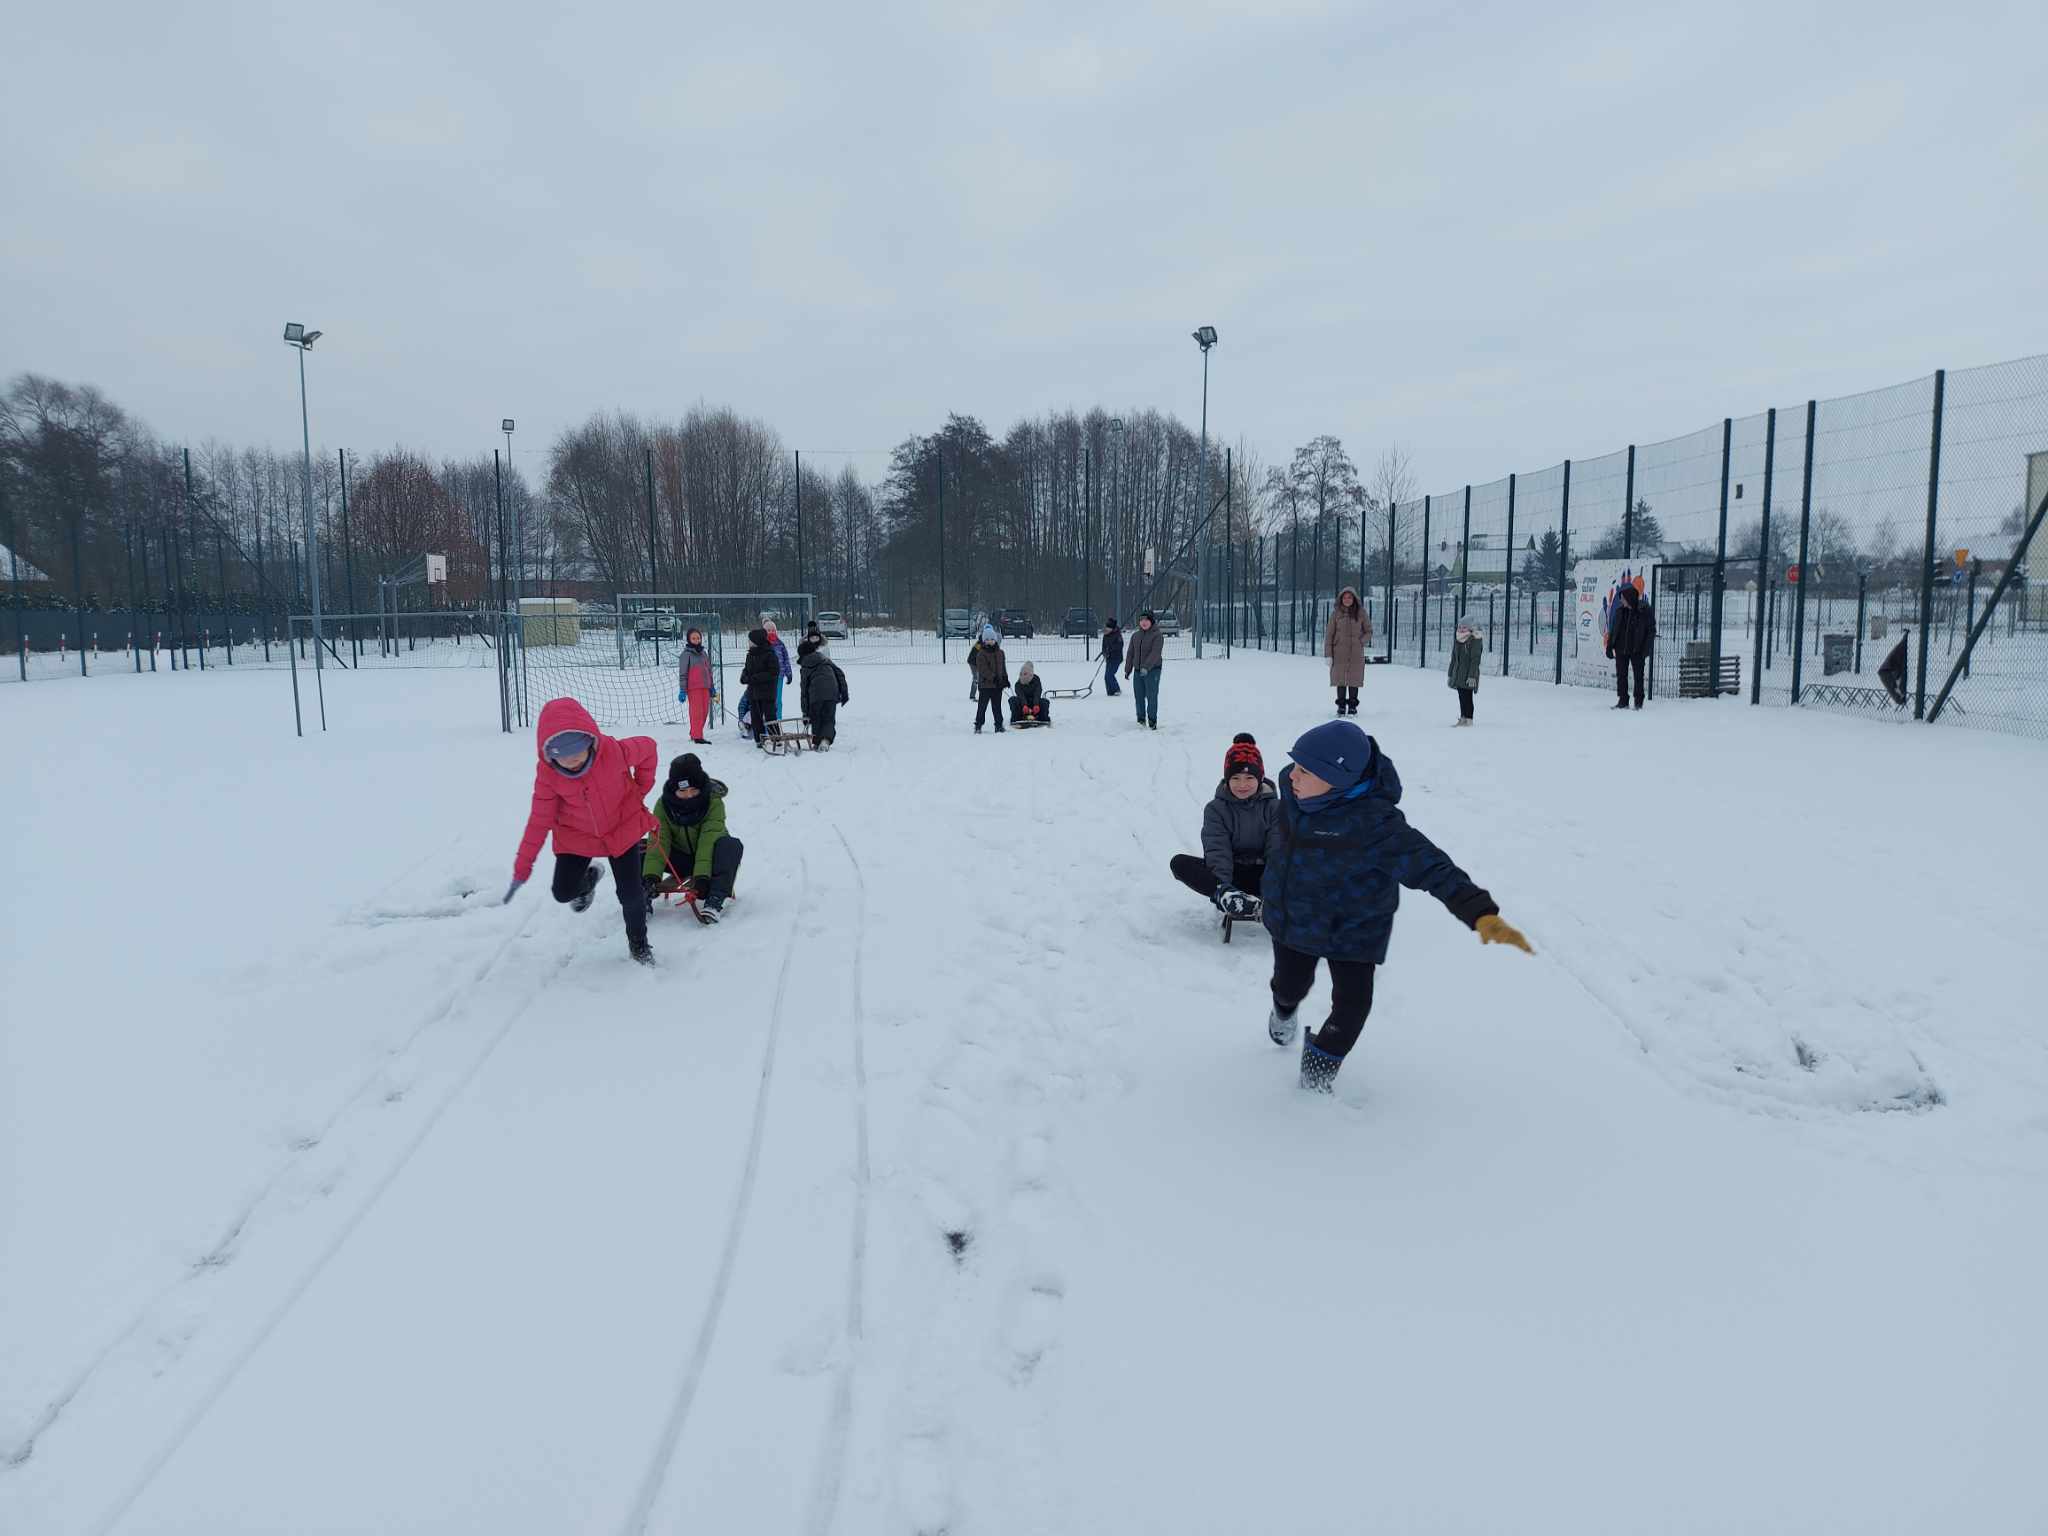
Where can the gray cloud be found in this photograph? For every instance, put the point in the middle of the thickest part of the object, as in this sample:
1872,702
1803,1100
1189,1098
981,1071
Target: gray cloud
1499,234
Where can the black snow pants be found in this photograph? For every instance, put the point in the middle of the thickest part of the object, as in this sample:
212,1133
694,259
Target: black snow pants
1350,994
570,869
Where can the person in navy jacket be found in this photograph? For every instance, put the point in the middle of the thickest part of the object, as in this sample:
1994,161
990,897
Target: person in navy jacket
1336,859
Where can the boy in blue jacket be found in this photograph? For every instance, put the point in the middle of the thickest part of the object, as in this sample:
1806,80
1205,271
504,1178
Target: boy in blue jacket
1336,859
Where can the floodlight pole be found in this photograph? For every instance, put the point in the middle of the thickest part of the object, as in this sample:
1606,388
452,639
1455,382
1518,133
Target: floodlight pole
1116,536
518,526
312,544
1205,338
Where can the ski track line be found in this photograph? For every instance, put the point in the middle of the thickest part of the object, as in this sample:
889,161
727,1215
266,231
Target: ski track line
656,1476
829,1474
193,1419
222,1249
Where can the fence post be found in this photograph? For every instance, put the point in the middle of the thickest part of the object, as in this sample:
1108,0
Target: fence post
1628,509
1422,614
1507,596
1393,521
1970,627
1927,560
1862,577
1564,557
14,578
1799,596
348,557
128,553
1763,558
1465,556
1715,608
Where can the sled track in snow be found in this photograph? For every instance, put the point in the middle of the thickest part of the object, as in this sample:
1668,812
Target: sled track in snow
829,1474
227,1378
223,1248
656,1476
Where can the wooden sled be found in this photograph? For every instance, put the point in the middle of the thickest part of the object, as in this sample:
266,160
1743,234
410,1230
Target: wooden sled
787,737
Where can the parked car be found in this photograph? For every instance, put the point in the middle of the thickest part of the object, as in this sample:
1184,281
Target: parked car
658,626
832,625
956,624
1015,622
1080,621
1168,621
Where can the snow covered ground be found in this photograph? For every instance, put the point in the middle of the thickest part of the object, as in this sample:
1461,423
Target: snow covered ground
952,1185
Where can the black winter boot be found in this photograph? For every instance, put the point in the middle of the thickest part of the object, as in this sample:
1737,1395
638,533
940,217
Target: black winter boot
1318,1066
638,947
589,891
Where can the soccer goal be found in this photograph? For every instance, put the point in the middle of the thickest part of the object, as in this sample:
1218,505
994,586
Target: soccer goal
623,663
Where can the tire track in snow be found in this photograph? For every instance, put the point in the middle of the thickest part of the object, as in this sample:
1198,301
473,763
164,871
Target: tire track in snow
227,1378
829,1474
656,1476
223,1248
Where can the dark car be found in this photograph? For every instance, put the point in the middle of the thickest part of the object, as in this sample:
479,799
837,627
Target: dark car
1079,621
1014,622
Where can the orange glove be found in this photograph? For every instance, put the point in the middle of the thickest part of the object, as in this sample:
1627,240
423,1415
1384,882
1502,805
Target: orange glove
1493,930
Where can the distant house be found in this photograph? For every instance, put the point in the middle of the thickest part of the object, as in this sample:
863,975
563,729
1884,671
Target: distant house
24,572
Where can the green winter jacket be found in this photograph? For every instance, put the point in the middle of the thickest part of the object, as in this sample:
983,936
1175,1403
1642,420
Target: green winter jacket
690,844
1465,656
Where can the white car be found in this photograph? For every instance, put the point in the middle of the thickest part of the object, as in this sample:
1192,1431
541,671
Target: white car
832,625
1168,621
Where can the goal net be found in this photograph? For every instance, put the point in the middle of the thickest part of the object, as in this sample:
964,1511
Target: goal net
623,662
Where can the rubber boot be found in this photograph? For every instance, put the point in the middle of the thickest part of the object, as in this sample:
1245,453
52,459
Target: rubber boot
1318,1066
1280,1026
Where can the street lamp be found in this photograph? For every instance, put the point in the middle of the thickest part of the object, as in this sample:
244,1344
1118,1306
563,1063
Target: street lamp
301,340
1205,338
518,524
1116,536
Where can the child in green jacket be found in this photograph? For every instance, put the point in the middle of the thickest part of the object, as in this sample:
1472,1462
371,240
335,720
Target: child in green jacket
689,840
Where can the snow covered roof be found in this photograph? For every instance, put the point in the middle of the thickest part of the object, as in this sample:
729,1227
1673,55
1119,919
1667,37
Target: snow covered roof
28,572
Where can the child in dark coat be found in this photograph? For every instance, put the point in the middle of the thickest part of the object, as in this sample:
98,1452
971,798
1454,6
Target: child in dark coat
1237,823
761,676
1338,856
590,791
823,689
1112,655
1028,703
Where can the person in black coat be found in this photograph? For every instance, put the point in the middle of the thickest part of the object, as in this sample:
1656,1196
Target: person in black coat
823,690
1236,825
760,675
1338,856
1027,699
1631,630
1112,655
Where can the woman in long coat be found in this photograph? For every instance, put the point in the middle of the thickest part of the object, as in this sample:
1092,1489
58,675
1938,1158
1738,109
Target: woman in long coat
1345,638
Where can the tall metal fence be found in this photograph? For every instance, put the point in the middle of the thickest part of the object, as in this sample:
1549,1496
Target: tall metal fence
1868,554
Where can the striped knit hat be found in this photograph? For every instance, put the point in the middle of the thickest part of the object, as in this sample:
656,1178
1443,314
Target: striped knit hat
1243,756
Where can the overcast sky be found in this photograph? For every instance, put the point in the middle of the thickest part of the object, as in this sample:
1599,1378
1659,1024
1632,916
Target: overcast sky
1497,234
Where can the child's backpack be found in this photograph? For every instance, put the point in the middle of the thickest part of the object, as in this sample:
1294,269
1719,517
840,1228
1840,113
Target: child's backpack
841,676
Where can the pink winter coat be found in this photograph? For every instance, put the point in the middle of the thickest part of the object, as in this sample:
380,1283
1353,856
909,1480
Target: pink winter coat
601,812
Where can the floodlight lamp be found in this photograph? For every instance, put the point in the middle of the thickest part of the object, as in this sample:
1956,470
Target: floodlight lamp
1116,423
294,332
311,337
1205,337
505,425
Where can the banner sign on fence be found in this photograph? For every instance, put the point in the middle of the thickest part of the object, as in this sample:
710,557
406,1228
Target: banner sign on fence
1598,584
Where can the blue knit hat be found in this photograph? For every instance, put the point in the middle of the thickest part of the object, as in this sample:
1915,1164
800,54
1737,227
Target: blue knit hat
1337,751
988,634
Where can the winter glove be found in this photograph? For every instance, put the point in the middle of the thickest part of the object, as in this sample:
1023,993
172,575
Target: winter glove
511,891
1236,903
1493,930
700,885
